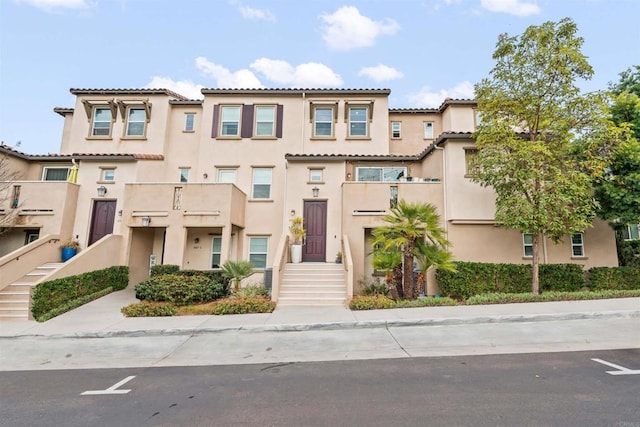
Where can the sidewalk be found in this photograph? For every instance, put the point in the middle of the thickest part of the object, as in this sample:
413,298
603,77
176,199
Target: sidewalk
102,318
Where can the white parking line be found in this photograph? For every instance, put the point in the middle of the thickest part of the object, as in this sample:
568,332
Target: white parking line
621,370
111,390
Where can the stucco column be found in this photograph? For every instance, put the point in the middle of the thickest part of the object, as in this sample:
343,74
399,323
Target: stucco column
175,241
226,245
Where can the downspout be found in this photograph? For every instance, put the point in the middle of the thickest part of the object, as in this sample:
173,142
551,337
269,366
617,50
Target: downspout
544,249
445,210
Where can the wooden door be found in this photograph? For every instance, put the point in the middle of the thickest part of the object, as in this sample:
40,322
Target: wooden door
104,214
315,222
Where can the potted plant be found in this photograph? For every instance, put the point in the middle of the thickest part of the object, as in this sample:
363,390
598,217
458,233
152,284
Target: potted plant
69,249
297,234
339,257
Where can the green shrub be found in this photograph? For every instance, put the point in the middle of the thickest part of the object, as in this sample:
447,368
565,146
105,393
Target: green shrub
149,309
243,305
253,291
370,302
614,278
561,277
179,289
376,289
424,302
157,270
70,305
53,294
502,298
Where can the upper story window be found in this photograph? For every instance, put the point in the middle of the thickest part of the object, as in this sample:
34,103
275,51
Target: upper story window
102,119
227,175
265,120
184,174
470,161
380,174
136,121
428,129
261,183
527,244
108,174
631,232
323,119
358,121
315,175
577,245
55,173
395,130
477,117
230,120
189,122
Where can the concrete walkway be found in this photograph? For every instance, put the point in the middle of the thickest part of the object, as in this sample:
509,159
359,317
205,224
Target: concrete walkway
102,318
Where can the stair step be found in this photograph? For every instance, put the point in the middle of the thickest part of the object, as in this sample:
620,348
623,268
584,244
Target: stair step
37,273
311,301
51,265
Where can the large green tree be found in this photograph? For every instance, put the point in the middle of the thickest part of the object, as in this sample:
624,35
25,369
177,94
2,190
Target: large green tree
410,226
532,113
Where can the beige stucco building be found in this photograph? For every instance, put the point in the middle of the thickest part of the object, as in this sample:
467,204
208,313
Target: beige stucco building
199,182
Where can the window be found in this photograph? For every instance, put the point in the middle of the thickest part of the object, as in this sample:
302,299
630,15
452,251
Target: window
631,232
101,122
31,236
184,174
55,174
189,121
428,129
216,249
261,183
470,158
393,196
395,130
315,175
577,245
527,243
323,121
136,120
108,174
478,117
358,121
258,247
230,121
227,176
377,174
265,120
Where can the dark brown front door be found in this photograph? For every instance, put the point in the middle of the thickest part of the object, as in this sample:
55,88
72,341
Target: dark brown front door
315,222
104,213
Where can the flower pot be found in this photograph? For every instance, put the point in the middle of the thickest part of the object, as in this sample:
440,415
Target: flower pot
68,253
296,254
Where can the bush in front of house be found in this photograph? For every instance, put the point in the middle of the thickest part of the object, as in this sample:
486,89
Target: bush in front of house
243,305
180,289
160,269
550,296
149,309
73,291
614,278
370,302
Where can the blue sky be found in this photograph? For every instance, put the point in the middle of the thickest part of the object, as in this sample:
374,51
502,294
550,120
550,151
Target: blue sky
422,50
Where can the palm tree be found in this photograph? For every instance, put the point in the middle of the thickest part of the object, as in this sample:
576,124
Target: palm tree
391,263
430,255
236,271
410,225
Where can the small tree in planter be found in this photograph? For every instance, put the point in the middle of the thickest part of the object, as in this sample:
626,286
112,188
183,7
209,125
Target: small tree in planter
297,234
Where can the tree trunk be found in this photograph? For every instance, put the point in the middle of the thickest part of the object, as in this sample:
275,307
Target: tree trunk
535,282
397,281
408,274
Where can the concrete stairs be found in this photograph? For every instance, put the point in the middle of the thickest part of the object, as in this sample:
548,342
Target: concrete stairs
15,299
313,283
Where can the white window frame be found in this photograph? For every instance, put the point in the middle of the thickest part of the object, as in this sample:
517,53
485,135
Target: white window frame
382,169
108,175
189,122
352,122
253,252
215,253
577,245
526,245
94,122
130,110
429,130
627,233
227,171
184,174
255,181
46,169
258,122
331,121
238,122
316,175
398,130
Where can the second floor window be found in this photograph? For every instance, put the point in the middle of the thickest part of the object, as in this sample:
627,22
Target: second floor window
184,174
261,183
323,122
377,174
395,130
631,232
265,120
189,122
136,121
55,174
227,176
230,120
428,129
358,121
101,125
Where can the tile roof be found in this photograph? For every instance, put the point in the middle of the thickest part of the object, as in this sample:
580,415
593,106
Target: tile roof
294,91
76,91
78,156
63,111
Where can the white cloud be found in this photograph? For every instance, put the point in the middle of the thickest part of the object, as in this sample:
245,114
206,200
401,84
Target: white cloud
55,4
513,7
183,87
381,73
347,29
241,79
256,14
310,74
427,98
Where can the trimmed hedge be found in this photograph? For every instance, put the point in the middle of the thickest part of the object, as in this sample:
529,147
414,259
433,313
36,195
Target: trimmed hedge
149,309
180,289
243,305
616,278
550,296
59,293
160,269
474,278
70,305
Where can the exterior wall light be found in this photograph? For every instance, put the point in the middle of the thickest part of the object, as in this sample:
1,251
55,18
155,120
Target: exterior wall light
102,191
316,191
146,221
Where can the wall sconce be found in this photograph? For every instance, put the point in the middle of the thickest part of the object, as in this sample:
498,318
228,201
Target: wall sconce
205,175
293,212
146,221
348,176
196,240
120,212
316,191
102,190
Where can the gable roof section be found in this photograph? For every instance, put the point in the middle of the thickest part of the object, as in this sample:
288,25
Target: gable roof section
167,92
79,156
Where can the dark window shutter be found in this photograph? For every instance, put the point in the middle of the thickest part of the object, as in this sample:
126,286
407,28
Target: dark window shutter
279,121
214,127
247,121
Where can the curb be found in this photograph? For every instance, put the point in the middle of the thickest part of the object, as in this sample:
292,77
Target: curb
334,326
